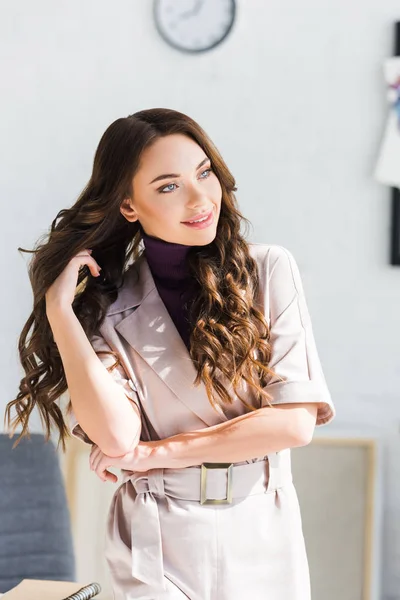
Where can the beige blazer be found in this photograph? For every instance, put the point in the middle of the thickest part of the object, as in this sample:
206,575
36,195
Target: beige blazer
161,543
157,371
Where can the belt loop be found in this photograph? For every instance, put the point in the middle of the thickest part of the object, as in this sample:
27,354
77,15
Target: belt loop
156,482
274,479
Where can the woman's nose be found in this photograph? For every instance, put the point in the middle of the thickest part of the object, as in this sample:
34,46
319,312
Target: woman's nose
196,197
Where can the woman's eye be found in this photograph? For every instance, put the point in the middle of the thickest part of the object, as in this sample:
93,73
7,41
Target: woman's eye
162,190
169,188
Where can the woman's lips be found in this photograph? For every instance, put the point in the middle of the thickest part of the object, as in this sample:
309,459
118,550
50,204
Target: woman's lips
203,224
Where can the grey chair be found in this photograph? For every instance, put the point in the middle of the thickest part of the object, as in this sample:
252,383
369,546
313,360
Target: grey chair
35,529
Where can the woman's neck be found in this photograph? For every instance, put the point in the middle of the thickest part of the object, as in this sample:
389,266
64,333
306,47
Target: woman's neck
167,260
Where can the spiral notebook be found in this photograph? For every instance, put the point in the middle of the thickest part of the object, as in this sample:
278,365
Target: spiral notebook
35,589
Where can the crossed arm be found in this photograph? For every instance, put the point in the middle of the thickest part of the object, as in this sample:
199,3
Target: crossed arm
252,435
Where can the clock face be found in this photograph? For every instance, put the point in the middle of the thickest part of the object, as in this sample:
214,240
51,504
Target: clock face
194,25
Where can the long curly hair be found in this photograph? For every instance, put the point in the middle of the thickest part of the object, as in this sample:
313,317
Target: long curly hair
230,335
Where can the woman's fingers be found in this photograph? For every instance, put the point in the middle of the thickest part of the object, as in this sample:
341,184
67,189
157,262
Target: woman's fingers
84,259
92,454
111,476
98,463
62,291
95,457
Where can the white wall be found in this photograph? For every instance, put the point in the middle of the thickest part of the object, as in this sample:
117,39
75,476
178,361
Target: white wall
295,101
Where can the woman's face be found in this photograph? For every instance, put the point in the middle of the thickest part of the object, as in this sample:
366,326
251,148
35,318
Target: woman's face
175,184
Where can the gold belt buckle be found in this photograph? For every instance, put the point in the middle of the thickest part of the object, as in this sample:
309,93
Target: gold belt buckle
203,483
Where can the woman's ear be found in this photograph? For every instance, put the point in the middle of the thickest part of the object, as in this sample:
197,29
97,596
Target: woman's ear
128,211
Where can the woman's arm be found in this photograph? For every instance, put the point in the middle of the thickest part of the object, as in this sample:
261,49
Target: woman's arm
252,435
105,413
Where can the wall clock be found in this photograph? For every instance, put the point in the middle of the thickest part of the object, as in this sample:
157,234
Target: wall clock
194,25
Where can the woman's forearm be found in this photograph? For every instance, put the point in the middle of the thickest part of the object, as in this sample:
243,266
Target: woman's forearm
101,407
249,436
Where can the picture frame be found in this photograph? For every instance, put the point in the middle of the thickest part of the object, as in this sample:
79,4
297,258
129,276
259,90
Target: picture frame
395,227
395,192
338,478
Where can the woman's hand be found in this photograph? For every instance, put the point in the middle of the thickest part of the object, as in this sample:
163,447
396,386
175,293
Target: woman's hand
61,293
141,458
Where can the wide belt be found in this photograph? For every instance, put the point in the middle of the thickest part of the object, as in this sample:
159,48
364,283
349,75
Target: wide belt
212,483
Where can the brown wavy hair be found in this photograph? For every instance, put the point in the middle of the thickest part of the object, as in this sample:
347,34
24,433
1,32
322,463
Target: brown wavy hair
230,336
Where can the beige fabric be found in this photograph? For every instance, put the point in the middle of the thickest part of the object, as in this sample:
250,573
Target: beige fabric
254,547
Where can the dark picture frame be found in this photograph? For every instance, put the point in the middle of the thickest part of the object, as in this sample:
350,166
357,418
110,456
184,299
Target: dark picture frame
395,228
395,216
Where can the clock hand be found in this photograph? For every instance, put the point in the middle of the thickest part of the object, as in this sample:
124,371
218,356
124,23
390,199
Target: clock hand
195,10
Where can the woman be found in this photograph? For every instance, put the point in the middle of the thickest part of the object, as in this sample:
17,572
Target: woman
190,364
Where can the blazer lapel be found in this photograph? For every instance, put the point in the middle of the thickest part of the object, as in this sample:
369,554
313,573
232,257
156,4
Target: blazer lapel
152,333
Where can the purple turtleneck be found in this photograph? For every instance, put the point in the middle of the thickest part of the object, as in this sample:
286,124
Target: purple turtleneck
175,285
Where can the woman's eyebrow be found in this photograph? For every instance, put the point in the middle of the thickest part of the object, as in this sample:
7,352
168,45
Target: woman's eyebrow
168,175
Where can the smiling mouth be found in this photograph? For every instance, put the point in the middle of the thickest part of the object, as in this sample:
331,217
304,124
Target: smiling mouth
201,223
199,219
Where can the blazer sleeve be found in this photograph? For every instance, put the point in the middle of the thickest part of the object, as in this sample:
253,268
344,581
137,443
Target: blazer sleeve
294,356
120,377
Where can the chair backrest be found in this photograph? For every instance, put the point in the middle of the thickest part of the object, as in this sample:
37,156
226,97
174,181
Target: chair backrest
35,530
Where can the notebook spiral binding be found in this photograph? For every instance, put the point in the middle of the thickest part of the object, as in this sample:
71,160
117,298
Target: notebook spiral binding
85,593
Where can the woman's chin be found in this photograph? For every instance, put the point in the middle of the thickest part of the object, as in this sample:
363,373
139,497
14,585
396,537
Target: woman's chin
200,238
